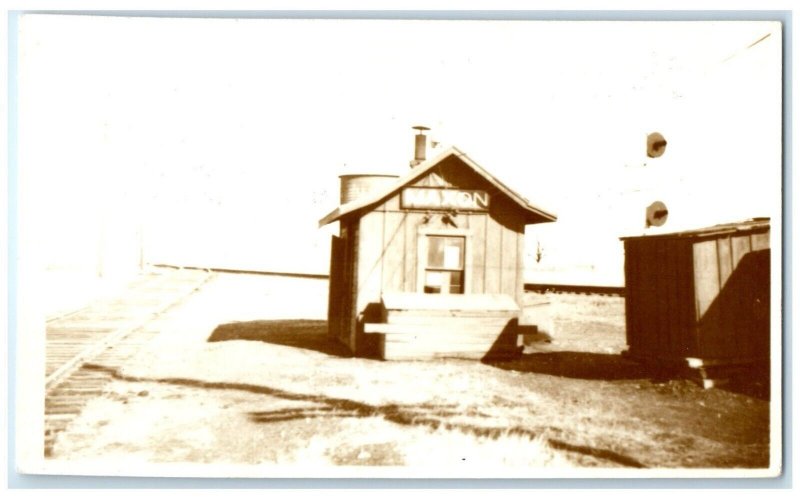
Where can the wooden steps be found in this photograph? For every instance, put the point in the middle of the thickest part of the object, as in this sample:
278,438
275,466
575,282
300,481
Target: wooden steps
423,326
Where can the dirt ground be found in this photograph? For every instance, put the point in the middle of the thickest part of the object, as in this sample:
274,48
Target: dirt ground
243,373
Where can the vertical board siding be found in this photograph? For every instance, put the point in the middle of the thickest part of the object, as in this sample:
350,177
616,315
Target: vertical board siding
685,321
369,260
632,332
727,343
760,241
508,272
741,246
391,204
706,284
642,296
494,255
670,296
697,297
654,323
337,291
520,280
649,297
689,338
393,261
410,249
661,311
725,260
477,251
354,237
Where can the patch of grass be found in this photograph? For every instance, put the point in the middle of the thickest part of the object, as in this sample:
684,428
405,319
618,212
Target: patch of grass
586,323
375,442
451,448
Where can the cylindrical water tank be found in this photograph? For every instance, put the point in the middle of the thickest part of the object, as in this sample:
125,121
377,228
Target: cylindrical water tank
353,186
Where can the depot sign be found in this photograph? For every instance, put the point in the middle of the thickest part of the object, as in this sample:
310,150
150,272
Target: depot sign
428,198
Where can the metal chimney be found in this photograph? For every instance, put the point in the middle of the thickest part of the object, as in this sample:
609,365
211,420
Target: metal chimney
420,145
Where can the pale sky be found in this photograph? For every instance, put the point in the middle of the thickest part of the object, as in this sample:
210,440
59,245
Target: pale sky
223,139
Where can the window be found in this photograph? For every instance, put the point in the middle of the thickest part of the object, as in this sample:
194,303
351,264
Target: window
444,269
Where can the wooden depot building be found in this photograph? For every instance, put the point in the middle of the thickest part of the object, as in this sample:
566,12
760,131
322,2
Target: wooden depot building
429,264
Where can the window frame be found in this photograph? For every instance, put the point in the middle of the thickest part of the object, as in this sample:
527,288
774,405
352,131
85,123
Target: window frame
422,255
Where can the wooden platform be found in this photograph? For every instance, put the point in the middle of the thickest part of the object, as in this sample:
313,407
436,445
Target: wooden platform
427,326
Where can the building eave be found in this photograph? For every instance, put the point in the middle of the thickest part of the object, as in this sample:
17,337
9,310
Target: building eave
534,213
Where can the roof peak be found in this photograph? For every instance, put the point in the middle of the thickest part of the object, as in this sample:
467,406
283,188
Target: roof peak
536,214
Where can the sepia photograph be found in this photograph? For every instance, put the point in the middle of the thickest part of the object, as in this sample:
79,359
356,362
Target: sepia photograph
398,248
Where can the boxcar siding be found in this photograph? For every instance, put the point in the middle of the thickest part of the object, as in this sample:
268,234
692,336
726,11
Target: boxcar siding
660,304
654,325
690,341
631,296
727,322
759,241
657,297
666,279
647,300
685,332
701,296
725,260
706,283
741,246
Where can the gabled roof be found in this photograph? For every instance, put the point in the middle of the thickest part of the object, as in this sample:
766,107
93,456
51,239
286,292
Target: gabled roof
534,214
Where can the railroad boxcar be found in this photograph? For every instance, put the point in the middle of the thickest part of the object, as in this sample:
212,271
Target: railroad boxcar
431,262
700,299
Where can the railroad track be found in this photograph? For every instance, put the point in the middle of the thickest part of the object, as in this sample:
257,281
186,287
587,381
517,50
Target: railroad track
108,332
577,289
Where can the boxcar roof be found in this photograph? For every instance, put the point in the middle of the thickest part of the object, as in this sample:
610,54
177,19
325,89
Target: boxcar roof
533,214
747,226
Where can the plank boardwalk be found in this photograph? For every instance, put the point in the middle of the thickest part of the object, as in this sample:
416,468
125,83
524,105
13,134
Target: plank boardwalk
108,332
